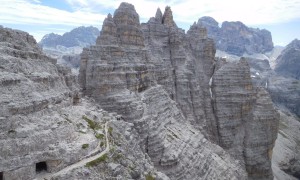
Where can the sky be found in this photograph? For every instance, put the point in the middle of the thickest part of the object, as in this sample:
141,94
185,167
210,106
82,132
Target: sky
40,17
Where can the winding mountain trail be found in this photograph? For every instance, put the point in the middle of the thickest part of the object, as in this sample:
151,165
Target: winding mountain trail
81,162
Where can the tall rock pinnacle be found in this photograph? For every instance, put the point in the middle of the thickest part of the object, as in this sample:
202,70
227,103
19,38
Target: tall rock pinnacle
158,15
168,17
123,28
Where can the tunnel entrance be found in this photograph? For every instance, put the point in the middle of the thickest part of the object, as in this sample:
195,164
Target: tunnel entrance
1,176
41,166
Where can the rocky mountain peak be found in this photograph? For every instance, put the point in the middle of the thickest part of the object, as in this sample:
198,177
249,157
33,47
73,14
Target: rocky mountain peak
109,16
158,15
288,62
294,44
80,36
207,21
236,38
168,18
126,15
124,29
197,31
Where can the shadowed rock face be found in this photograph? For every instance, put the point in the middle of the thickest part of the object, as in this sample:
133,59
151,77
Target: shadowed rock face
168,84
244,115
288,62
236,38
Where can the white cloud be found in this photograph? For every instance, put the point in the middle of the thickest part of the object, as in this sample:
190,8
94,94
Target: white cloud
252,12
93,12
26,12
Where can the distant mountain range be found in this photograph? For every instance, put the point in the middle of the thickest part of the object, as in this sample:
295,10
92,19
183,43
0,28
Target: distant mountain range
81,36
236,38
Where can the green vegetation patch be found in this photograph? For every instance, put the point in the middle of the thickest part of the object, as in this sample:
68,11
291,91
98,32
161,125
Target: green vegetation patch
117,156
97,161
101,144
149,177
110,129
84,146
92,124
99,136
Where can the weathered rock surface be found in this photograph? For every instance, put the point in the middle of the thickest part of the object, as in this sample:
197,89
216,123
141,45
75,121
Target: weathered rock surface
33,90
236,38
46,126
288,62
244,114
286,153
164,82
172,110
284,92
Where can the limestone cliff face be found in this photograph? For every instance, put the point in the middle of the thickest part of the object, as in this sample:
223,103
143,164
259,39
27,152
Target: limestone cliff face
244,115
180,100
30,80
32,88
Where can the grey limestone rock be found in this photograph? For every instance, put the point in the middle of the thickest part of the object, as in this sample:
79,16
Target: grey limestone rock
157,104
244,114
180,100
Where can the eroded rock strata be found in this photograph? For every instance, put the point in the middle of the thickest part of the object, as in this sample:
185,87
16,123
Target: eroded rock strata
180,99
156,104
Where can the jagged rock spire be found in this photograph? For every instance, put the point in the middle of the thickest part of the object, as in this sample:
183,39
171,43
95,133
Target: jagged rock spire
123,28
168,18
108,34
158,15
126,15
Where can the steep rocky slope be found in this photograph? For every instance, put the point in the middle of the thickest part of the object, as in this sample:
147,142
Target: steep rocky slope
47,130
168,84
286,153
236,38
288,62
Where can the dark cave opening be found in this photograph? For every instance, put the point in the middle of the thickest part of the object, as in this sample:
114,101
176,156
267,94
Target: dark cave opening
41,166
1,176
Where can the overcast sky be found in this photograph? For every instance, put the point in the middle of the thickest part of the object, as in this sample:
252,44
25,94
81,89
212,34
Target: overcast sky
40,17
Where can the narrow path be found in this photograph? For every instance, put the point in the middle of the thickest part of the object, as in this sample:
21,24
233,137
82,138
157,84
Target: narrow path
81,162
